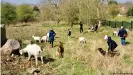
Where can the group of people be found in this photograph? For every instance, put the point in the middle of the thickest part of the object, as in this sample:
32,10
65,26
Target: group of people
52,34
93,28
69,31
112,44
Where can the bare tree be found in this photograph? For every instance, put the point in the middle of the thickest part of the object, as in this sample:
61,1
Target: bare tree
51,10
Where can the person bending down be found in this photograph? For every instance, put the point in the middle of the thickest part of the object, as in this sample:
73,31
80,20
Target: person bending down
111,43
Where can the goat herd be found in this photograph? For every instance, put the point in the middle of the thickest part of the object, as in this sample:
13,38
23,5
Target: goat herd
35,50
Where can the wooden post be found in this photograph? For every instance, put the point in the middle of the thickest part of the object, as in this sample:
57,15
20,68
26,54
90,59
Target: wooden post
131,25
115,24
3,35
109,23
122,23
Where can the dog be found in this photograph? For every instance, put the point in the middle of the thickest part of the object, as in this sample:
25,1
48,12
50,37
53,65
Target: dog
102,51
109,53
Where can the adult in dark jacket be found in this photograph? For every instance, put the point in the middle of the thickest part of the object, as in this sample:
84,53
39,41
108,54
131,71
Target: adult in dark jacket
122,34
111,43
81,27
51,37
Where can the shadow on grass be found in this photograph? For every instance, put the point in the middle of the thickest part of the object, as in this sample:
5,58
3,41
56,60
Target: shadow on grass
127,43
46,60
55,45
72,37
57,37
85,32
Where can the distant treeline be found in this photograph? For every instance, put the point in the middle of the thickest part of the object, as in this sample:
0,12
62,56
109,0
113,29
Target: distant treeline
71,11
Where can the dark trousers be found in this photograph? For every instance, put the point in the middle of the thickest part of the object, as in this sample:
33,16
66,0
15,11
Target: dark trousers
52,42
81,30
112,49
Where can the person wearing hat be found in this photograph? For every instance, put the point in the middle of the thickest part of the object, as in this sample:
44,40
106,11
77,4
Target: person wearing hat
122,34
111,43
51,37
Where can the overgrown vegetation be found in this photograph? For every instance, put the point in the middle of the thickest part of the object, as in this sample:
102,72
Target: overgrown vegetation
130,12
25,13
8,13
78,59
72,12
61,15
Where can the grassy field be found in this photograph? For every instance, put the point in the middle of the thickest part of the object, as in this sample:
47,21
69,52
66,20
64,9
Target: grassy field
78,59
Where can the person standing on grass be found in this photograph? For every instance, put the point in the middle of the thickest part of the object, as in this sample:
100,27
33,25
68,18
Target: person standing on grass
122,34
69,33
51,37
111,43
81,27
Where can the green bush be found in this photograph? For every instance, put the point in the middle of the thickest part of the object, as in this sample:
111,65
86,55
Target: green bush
130,12
8,13
25,13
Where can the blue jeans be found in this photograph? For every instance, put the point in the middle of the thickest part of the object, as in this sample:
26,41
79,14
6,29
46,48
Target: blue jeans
123,41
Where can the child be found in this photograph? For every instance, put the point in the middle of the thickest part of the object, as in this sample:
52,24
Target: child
69,33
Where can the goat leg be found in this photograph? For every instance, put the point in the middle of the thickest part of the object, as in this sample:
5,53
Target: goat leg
36,59
29,56
42,59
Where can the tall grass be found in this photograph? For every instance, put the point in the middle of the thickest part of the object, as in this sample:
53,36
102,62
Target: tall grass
79,59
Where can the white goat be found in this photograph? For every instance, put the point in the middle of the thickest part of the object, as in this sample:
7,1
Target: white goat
82,40
33,49
48,34
115,33
45,38
37,38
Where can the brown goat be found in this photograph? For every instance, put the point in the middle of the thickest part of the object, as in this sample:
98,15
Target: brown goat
110,53
60,49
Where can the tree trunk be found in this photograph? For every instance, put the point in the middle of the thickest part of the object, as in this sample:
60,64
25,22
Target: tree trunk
71,24
58,21
99,23
98,15
10,46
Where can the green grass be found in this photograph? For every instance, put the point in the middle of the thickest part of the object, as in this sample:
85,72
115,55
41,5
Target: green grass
78,59
123,18
127,59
